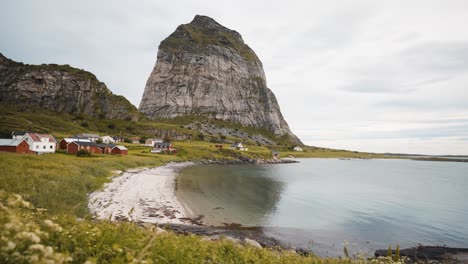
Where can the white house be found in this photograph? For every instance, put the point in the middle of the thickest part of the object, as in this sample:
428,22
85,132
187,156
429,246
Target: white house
40,143
238,146
297,148
151,141
107,139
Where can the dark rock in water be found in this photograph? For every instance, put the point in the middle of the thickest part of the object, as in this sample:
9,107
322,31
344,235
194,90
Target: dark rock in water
60,88
206,69
425,253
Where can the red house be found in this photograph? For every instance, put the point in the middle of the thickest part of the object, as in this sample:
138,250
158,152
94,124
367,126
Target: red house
14,145
119,150
64,142
91,147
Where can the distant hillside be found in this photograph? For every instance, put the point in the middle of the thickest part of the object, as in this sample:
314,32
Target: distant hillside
60,88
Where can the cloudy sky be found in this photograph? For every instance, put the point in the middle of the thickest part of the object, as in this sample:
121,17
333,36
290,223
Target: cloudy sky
383,76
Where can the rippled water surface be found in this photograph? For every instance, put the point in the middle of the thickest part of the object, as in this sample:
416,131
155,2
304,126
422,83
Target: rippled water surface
320,203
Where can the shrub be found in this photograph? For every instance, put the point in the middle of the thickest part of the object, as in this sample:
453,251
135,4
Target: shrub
83,153
127,140
99,141
84,124
167,138
200,136
143,139
111,126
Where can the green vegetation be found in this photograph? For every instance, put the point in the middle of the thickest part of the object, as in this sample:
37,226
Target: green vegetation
57,186
60,182
31,235
83,153
204,37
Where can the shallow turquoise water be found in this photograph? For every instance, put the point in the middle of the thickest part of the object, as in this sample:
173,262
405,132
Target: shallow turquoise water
320,203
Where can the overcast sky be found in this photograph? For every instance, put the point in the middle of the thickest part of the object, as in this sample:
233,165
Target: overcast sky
382,76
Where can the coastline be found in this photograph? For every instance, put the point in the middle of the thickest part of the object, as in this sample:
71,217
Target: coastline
148,195
143,195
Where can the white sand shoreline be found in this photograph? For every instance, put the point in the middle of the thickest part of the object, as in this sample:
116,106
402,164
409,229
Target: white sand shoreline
143,195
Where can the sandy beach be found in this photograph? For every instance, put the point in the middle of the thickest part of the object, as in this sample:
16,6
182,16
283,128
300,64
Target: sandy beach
146,195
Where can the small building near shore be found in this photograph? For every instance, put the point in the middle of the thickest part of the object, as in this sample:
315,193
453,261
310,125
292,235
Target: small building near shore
76,146
40,143
238,146
163,147
17,145
151,141
297,148
275,154
119,150
64,142
105,148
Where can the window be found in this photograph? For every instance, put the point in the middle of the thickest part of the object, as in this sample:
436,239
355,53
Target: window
37,146
43,147
51,146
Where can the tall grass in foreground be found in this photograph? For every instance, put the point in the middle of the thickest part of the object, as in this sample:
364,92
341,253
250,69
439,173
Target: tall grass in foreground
29,235
60,182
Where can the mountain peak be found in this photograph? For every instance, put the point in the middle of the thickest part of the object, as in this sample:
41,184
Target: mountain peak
206,69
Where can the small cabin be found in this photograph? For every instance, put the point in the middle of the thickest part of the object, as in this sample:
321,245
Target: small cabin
64,142
275,154
238,146
163,147
76,146
151,141
119,150
17,145
297,148
105,148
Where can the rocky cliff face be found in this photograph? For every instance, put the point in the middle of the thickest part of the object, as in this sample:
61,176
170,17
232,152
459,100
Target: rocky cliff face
206,69
60,88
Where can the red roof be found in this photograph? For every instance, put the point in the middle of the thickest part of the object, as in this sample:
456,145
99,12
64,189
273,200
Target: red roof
37,137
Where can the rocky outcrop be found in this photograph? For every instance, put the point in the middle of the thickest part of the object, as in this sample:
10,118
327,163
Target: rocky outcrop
60,88
204,68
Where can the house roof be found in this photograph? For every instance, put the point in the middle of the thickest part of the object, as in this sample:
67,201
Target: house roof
105,145
162,144
89,135
120,147
10,142
107,137
71,139
19,133
84,143
155,139
37,137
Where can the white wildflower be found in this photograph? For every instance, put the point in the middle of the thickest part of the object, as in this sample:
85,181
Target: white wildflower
55,227
29,236
9,246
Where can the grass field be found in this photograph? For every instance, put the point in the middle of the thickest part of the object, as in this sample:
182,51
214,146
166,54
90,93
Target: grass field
54,225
